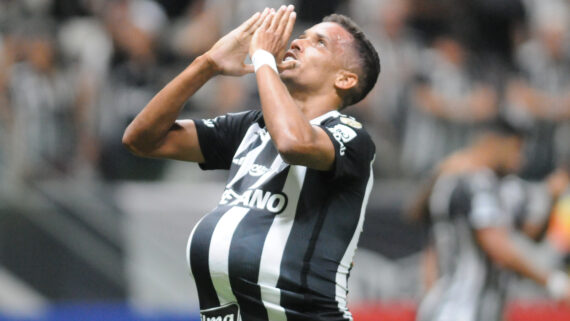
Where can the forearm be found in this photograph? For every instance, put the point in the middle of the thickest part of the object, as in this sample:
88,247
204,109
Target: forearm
156,119
501,249
286,123
514,260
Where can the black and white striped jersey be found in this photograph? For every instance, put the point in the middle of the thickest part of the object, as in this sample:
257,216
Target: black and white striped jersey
470,286
526,202
280,243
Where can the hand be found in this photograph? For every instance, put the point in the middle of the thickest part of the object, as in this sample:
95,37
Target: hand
228,54
273,35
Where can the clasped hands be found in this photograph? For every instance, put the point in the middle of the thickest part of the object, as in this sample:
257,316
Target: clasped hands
269,30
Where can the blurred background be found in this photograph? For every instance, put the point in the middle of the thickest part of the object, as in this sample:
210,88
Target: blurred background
89,232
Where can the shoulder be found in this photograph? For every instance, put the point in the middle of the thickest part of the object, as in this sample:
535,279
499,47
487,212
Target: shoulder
483,180
345,129
244,117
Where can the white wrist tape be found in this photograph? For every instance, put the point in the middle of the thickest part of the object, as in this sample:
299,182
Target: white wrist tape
558,284
261,57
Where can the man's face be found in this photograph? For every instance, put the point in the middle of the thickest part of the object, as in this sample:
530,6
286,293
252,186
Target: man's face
319,53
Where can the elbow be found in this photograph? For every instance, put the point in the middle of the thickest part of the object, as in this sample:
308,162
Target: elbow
132,143
291,151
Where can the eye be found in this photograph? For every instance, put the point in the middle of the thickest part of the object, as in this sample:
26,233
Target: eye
321,43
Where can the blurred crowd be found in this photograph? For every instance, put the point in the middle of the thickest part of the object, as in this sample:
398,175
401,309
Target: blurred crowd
73,73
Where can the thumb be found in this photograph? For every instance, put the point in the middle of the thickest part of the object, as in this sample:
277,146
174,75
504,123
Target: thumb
247,69
286,65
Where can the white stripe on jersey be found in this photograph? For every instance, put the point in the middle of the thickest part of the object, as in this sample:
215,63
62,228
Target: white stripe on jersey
460,300
274,246
344,266
219,254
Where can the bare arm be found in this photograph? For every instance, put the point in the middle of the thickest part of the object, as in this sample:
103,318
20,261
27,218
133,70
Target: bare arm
297,141
155,132
429,268
497,244
480,104
539,103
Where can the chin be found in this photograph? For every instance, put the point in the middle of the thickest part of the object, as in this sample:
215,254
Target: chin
287,76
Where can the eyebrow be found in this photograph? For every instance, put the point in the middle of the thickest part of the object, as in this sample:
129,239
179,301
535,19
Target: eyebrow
322,36
318,34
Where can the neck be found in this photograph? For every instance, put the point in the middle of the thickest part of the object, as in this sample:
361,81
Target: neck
313,105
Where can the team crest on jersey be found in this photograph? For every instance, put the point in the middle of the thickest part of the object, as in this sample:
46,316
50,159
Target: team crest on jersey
351,122
342,134
256,199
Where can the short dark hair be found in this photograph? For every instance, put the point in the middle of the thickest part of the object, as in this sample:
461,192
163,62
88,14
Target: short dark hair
369,61
506,127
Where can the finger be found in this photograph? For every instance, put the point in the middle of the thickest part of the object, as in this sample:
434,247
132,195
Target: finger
267,21
248,24
277,20
287,33
290,24
286,65
284,20
259,21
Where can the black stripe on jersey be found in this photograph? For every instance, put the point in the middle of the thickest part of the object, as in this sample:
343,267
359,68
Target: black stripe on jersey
199,261
331,229
337,231
245,256
296,260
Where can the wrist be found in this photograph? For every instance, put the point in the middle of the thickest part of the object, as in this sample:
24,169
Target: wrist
209,63
558,284
262,57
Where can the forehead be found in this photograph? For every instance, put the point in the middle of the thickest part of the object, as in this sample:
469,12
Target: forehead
332,30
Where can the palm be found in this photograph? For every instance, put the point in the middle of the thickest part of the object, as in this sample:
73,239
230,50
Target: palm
229,53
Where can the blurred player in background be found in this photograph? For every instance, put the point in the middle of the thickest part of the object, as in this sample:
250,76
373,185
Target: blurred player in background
470,230
280,243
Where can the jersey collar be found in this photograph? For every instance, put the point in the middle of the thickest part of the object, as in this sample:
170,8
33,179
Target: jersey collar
319,119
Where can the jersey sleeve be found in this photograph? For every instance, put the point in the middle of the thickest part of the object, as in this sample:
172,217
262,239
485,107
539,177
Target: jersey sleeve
486,210
220,137
354,149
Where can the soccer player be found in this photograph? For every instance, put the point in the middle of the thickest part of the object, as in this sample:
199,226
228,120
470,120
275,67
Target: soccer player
471,233
280,243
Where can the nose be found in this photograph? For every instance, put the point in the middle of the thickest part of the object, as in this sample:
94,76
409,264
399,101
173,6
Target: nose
297,44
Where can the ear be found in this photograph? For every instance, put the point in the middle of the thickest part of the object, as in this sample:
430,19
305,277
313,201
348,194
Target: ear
346,80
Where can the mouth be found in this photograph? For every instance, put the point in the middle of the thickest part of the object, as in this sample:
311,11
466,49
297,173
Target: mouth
289,56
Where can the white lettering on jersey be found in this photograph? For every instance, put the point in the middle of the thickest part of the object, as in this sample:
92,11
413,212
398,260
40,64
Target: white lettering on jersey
238,161
229,317
209,122
256,199
343,134
264,134
257,170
